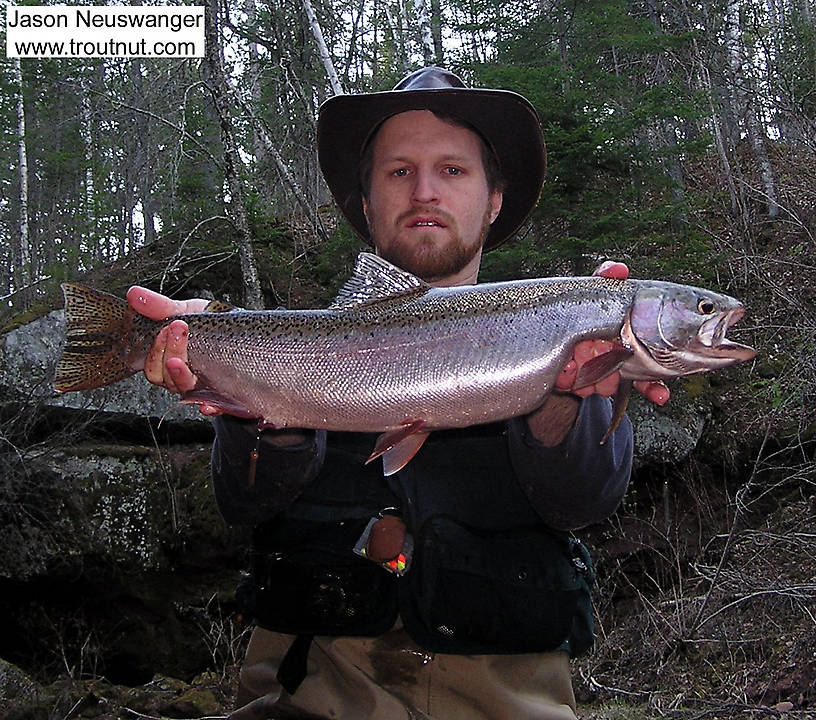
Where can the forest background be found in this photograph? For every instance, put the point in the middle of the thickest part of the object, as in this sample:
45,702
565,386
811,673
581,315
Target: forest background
681,140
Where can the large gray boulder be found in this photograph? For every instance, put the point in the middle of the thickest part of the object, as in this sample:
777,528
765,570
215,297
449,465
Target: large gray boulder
670,433
108,527
125,505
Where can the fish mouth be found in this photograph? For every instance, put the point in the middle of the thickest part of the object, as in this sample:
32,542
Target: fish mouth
712,342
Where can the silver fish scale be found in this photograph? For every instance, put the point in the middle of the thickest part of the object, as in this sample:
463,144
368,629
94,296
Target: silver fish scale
450,357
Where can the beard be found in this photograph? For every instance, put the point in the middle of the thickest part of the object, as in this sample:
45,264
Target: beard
426,255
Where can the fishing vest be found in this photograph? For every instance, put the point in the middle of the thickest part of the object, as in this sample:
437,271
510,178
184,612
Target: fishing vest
486,576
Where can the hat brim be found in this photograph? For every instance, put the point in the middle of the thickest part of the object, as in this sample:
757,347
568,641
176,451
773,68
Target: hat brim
504,119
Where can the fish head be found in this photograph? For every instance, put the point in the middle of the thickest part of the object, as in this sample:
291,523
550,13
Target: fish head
680,330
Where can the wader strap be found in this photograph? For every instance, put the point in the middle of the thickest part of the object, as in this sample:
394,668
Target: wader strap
292,669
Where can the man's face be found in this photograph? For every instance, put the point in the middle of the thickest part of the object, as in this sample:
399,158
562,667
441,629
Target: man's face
429,207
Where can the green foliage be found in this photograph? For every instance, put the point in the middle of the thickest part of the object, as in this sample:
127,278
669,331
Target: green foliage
608,189
334,260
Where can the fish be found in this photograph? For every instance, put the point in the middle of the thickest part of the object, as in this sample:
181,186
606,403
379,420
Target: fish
396,356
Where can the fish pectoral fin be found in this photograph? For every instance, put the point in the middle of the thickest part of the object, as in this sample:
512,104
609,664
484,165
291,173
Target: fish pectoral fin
601,366
205,396
621,401
397,447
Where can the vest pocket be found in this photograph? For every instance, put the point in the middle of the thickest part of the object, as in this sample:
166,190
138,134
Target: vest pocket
307,580
486,592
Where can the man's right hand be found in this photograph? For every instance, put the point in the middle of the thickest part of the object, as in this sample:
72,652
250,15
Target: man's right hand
166,363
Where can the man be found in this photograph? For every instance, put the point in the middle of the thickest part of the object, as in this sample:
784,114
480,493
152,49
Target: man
483,623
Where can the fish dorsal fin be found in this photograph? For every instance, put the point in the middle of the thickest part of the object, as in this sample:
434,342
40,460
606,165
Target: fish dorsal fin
376,279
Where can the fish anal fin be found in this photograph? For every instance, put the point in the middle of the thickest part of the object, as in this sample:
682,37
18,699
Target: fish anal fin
398,446
401,454
206,396
601,366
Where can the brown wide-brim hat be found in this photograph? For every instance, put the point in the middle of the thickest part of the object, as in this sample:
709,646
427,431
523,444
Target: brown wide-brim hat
507,122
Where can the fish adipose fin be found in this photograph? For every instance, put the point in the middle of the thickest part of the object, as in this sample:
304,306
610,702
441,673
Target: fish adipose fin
105,340
375,279
219,306
397,447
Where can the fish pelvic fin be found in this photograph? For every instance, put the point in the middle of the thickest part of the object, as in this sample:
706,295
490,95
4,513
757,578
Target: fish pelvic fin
398,447
105,340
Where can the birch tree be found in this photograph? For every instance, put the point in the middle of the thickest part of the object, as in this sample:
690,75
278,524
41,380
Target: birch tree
219,87
323,51
24,270
396,28
423,17
741,69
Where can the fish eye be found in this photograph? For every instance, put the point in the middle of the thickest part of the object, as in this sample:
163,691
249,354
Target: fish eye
705,307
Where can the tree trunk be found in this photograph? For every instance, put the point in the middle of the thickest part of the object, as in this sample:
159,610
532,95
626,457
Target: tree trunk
253,296
436,30
273,152
757,136
404,26
255,67
748,106
423,11
396,27
322,50
24,270
667,128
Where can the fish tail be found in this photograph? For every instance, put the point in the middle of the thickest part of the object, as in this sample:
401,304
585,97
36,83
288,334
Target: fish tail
105,340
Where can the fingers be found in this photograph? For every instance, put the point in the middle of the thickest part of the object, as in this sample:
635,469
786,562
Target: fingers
612,269
154,362
566,379
582,353
152,304
587,349
176,375
160,307
655,392
606,387
166,362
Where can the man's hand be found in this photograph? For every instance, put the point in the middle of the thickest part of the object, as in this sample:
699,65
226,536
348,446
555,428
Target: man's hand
585,350
166,363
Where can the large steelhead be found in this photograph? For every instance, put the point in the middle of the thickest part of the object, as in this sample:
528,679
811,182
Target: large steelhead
396,356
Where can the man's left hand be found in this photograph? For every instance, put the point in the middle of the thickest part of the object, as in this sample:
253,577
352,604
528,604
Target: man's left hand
585,350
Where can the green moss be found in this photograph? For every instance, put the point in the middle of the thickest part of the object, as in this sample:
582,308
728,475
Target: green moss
23,318
696,387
